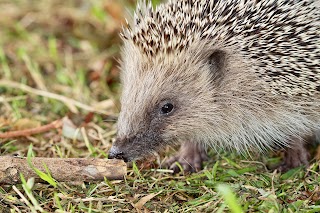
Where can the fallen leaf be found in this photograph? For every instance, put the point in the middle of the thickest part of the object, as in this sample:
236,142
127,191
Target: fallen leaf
145,199
25,123
69,130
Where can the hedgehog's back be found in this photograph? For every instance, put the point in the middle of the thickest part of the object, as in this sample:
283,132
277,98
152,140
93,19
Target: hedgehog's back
281,39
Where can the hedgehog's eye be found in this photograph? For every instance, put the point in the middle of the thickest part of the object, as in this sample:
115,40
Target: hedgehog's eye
166,108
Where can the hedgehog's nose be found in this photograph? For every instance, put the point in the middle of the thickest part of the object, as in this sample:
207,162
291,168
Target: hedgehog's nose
115,153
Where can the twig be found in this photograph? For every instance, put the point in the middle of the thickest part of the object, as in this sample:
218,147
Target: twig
62,169
70,103
27,132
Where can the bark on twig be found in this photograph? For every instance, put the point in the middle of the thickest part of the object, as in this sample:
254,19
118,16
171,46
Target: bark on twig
62,169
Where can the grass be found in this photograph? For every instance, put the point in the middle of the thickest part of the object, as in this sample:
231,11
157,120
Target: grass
70,49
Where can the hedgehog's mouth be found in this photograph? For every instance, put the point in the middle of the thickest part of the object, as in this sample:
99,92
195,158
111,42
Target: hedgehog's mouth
116,153
134,148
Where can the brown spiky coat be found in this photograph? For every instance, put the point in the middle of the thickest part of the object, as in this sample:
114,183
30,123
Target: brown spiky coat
241,74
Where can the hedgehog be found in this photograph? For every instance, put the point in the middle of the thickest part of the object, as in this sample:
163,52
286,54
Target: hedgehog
231,74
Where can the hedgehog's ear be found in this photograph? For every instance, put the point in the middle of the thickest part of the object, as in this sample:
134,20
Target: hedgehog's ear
217,63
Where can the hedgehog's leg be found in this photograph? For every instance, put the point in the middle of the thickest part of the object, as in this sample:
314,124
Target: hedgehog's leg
190,156
296,155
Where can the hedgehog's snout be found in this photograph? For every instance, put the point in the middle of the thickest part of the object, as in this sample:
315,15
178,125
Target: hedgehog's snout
134,147
116,153
122,149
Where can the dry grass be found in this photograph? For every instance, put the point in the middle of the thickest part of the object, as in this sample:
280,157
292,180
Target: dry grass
59,58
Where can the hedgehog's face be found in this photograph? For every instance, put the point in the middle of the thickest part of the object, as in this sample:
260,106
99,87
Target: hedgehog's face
162,102
140,135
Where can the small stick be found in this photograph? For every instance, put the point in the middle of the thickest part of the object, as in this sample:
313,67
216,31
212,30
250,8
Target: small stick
27,132
62,169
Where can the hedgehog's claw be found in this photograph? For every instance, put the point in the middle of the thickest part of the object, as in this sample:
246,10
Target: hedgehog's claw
190,157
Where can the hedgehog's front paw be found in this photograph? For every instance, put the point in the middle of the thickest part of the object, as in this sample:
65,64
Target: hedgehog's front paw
295,156
190,157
